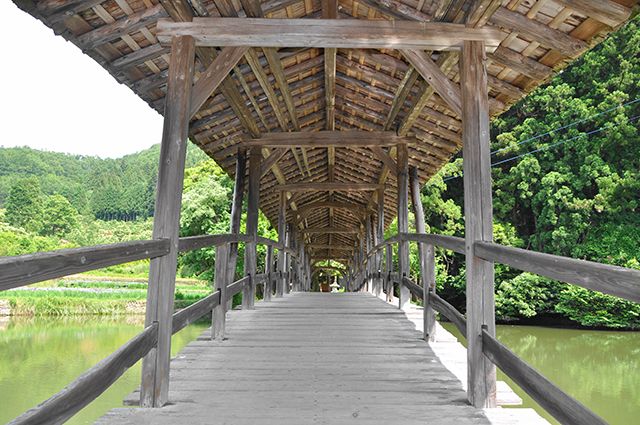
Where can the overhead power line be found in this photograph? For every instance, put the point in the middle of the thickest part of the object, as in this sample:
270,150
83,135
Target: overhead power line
597,130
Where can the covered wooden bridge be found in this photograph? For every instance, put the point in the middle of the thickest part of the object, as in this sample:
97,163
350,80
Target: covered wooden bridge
328,114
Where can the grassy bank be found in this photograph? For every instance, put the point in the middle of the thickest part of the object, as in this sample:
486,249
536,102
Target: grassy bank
92,296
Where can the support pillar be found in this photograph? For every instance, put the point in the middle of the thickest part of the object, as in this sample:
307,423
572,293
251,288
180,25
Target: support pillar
403,223
268,271
478,212
219,318
250,255
166,221
380,238
389,270
236,212
282,225
287,259
427,259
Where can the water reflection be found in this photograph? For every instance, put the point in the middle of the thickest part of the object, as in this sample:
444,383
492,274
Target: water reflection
599,368
39,356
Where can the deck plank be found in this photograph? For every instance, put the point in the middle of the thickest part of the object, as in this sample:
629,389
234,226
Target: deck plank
312,358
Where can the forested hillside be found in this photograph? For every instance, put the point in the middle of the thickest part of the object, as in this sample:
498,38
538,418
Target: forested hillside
108,189
566,178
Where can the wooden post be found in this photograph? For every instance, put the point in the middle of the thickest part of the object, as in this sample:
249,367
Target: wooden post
287,259
250,255
162,272
389,269
380,234
282,225
403,223
219,317
268,268
368,245
427,258
236,211
478,221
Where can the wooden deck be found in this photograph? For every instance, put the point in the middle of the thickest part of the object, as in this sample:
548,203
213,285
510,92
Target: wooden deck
312,358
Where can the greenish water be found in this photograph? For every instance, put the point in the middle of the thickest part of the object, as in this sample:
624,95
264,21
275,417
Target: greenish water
601,369
39,356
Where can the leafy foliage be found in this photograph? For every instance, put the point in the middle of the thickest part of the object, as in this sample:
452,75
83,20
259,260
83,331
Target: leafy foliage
566,177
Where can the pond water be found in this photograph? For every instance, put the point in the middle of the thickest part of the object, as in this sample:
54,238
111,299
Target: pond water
39,356
601,369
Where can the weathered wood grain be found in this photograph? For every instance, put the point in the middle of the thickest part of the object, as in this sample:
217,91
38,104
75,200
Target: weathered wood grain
31,268
545,35
190,243
183,318
337,33
402,179
478,213
166,221
613,280
452,243
60,407
326,187
213,76
325,139
438,80
123,26
236,210
449,311
562,406
219,315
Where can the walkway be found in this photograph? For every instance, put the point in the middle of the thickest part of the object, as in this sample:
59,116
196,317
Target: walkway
312,358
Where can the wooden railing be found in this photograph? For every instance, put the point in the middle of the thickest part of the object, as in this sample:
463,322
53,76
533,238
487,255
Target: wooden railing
613,280
27,269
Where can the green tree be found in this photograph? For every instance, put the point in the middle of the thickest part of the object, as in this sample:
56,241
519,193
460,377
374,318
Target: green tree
59,216
24,205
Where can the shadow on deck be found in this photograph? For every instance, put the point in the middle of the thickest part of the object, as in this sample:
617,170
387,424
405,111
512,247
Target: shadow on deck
312,358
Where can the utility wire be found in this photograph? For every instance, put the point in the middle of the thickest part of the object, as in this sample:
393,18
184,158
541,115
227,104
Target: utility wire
597,130
538,136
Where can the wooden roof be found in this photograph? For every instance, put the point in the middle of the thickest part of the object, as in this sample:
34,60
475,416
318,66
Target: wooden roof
375,90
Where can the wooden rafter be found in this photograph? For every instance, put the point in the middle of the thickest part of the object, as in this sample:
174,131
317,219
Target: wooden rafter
214,74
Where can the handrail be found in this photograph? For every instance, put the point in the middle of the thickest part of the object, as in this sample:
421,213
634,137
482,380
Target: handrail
451,243
183,318
190,243
559,404
88,386
31,268
448,311
237,286
613,280
84,389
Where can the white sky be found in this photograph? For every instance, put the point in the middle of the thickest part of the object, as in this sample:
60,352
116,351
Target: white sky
55,98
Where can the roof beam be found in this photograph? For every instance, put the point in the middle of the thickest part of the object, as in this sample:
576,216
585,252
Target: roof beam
338,33
545,35
326,139
385,158
325,187
331,204
271,160
328,246
327,230
431,72
213,76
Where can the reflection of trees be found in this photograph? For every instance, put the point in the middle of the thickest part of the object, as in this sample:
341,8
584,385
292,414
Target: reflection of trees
599,368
